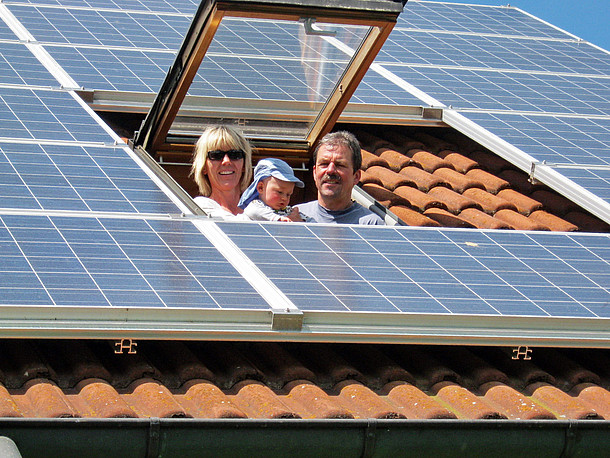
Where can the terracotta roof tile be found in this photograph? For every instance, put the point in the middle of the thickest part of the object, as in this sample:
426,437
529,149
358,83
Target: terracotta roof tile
435,144
490,162
515,405
447,219
553,202
385,197
394,159
414,403
491,183
8,408
402,142
586,222
554,223
259,401
464,403
371,142
427,161
459,182
489,202
203,399
310,401
365,403
520,181
525,205
518,221
595,396
370,159
150,398
454,202
45,399
482,220
562,405
412,217
367,177
460,162
417,199
389,179
102,400
424,181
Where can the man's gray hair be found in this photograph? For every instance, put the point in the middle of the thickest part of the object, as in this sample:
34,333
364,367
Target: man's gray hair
345,138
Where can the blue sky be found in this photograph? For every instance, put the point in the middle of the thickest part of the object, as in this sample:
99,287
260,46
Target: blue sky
587,19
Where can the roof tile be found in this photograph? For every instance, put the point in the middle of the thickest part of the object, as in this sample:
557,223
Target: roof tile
412,217
46,400
417,199
389,179
8,408
587,222
259,401
363,402
428,161
490,162
562,405
513,404
394,159
102,400
367,177
414,403
595,396
207,401
370,159
385,197
424,181
310,401
454,202
520,181
482,220
491,183
525,205
518,221
465,403
445,218
553,202
554,223
489,202
459,182
150,398
460,162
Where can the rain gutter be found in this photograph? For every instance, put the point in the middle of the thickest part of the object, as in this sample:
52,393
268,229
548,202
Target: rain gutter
292,438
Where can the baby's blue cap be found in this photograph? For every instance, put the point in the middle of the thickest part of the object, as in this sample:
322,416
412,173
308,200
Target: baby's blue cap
270,167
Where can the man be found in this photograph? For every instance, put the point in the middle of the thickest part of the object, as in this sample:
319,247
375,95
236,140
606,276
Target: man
336,170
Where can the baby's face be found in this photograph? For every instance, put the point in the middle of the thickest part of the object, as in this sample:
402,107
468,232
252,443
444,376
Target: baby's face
275,193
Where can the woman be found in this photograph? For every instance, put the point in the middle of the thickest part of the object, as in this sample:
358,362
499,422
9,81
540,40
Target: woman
222,169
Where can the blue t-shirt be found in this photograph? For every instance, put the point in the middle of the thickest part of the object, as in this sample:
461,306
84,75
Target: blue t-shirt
355,214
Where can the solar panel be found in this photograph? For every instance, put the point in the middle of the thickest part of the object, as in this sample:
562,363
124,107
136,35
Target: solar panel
165,6
18,66
407,270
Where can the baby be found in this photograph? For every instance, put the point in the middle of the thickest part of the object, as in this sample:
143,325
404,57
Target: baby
267,198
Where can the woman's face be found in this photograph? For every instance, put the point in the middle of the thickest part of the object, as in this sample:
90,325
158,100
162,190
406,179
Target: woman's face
224,174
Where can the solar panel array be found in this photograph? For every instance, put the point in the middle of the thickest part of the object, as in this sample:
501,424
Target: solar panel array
85,226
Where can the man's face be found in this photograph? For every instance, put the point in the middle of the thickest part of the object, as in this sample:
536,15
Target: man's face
335,177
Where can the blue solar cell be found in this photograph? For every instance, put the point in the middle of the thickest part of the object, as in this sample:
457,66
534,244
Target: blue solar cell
166,6
452,268
18,66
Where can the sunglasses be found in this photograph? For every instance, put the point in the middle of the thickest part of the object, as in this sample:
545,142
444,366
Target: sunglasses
219,155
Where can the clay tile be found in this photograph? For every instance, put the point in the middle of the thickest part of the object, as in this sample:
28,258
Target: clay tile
518,221
8,408
454,202
26,362
422,179
428,161
368,178
567,371
103,400
417,199
383,196
553,202
460,162
444,218
363,402
372,142
491,183
395,160
176,359
525,205
489,203
596,396
370,159
414,403
482,220
390,180
554,223
586,222
490,162
149,398
402,142
413,218
206,400
520,181
562,405
472,367
464,143
310,401
465,403
458,182
47,400
513,404
433,143
258,401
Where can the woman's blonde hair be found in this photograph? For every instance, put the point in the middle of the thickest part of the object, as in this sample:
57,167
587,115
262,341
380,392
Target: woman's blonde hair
214,138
